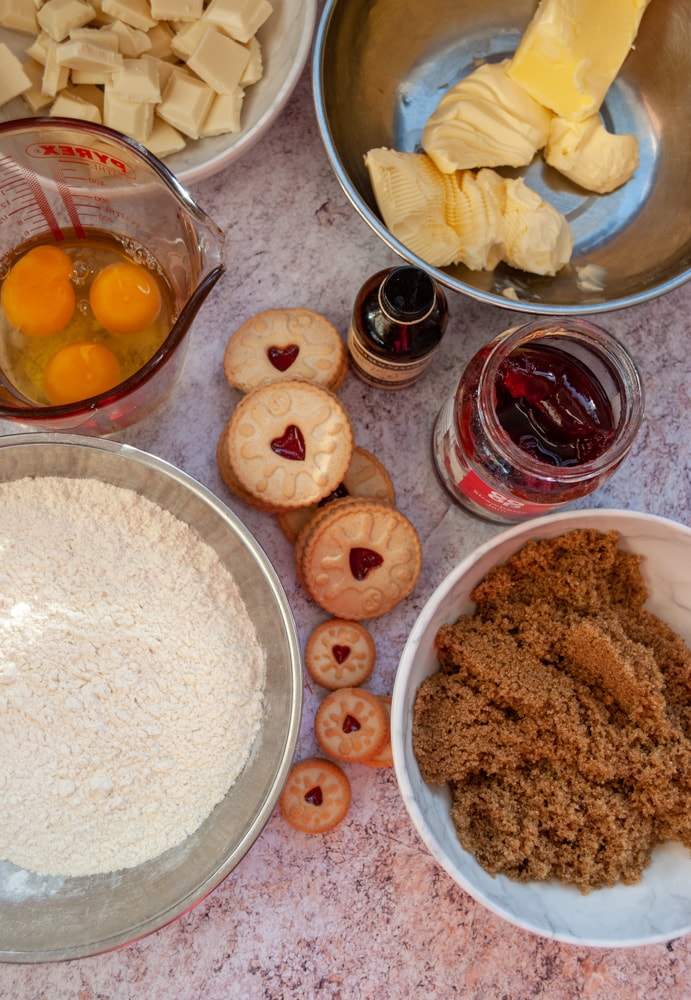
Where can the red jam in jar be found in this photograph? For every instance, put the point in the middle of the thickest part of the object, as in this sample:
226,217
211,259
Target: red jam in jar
542,415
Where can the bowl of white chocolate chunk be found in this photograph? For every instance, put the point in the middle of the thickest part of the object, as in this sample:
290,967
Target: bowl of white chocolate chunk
150,694
197,82
530,155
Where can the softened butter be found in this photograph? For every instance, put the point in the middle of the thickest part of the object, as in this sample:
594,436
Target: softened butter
485,120
589,155
477,219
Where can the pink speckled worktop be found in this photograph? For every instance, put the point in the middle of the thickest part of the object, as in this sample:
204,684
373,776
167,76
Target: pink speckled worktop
365,911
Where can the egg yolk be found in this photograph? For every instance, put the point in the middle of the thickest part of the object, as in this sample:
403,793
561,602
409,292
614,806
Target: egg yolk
125,298
79,371
37,295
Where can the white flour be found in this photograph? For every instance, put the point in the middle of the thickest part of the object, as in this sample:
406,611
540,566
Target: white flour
131,678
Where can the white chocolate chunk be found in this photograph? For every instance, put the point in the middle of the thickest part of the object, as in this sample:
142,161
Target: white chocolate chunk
219,61
164,139
136,13
161,37
224,113
55,76
69,105
87,57
177,10
184,42
13,79
238,18
255,66
19,15
59,17
136,80
102,37
34,96
134,119
185,103
38,50
131,41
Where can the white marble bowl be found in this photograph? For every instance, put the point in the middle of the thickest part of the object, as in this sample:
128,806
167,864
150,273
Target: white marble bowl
285,39
656,909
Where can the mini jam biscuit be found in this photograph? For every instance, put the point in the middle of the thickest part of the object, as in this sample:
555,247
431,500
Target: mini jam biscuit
285,343
339,654
351,725
316,795
289,443
365,477
358,558
385,756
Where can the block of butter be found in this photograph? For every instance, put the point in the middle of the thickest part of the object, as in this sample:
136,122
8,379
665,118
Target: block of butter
572,50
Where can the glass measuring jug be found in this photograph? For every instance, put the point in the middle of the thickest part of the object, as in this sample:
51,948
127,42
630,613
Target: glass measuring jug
64,182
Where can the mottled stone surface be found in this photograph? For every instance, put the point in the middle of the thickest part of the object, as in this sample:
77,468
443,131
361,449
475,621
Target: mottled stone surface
365,911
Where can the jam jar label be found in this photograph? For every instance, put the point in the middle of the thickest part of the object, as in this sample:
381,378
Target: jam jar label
494,500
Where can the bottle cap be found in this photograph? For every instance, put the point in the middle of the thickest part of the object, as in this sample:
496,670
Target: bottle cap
407,295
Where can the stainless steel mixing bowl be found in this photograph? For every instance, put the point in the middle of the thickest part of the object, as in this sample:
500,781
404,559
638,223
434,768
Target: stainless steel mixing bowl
379,70
46,918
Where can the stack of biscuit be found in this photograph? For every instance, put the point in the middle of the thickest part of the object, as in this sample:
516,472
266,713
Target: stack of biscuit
289,450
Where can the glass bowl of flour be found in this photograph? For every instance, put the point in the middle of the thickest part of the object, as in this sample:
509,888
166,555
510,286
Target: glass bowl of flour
150,694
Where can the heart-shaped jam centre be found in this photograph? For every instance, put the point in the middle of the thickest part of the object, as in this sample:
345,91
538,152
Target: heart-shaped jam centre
283,357
340,653
290,445
362,561
350,724
314,796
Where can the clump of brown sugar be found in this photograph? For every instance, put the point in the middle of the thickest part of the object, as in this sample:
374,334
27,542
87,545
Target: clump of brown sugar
561,717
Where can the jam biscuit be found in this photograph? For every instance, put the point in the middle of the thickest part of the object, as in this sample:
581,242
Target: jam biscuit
231,480
358,558
316,795
285,343
351,725
289,443
340,654
385,756
365,477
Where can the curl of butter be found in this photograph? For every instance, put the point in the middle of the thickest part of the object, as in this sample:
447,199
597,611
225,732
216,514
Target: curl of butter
589,155
485,120
477,219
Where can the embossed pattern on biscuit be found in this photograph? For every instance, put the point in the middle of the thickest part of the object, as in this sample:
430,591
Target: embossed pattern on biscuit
340,653
351,724
289,443
316,795
290,343
359,558
365,477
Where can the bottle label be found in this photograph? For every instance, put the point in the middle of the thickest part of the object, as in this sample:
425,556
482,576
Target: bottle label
380,371
494,500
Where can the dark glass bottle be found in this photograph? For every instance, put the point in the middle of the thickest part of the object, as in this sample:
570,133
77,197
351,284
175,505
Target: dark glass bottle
399,317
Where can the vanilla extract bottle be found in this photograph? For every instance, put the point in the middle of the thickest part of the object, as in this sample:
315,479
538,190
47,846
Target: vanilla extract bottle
399,318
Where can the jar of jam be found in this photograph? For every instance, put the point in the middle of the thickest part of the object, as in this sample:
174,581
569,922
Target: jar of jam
542,415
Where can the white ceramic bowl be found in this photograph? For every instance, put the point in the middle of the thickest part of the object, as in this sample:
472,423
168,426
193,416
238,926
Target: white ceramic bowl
285,40
656,909
49,918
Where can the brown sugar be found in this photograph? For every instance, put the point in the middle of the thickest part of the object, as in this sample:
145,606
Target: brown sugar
560,717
